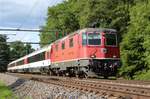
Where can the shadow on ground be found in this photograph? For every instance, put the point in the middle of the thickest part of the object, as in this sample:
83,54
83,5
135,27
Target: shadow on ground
18,83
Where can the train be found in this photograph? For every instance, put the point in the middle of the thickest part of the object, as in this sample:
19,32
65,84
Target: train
87,52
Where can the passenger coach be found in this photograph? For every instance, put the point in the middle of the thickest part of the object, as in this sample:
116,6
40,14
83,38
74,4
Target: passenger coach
38,61
86,52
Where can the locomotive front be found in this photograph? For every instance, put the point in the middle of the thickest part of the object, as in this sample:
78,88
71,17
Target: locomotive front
102,52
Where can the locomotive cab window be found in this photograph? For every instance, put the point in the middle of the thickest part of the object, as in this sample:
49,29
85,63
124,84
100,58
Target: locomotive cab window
94,39
111,39
71,42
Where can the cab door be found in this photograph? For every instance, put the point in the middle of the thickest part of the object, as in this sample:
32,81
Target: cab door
82,45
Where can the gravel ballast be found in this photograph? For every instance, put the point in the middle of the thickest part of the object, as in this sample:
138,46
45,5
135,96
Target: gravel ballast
29,89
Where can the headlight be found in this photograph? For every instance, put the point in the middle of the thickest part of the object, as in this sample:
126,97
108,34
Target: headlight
93,56
114,56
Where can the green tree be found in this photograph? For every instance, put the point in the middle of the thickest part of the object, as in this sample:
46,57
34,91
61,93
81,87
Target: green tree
61,18
135,49
18,49
4,50
72,15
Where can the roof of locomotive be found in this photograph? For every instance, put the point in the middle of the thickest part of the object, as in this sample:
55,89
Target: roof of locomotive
85,30
96,30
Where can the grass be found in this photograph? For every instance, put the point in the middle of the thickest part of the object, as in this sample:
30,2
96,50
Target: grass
5,92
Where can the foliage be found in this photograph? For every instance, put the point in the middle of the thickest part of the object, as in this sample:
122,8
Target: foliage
145,75
11,52
18,49
5,92
3,53
135,47
72,15
59,18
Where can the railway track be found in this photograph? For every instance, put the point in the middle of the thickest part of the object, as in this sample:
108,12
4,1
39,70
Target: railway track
123,89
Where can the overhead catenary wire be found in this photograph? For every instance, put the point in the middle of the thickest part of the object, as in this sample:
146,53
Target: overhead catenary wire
29,13
23,43
28,30
28,16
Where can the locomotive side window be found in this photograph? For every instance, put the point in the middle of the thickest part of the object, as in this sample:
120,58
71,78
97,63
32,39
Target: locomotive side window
84,39
63,45
111,39
94,39
71,42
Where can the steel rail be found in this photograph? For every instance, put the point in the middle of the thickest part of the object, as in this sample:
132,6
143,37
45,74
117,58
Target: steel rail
99,87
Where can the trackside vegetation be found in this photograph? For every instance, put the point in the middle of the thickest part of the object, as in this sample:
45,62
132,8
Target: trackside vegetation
131,18
5,92
135,47
10,52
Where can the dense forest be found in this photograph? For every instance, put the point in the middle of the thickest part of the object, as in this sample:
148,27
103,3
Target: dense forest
131,18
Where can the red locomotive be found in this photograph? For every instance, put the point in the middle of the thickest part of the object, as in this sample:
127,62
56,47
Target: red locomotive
86,52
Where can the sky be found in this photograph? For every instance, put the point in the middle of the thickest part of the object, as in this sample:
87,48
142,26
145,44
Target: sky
24,14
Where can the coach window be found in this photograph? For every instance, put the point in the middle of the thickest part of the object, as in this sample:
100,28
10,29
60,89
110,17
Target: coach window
84,39
31,59
71,42
13,64
63,45
42,56
20,62
94,39
48,56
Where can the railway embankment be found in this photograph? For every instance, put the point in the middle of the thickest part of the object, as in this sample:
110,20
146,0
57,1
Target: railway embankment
30,89
32,86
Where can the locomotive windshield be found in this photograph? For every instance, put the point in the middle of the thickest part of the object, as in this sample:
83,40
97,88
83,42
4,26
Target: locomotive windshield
94,39
111,39
91,39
